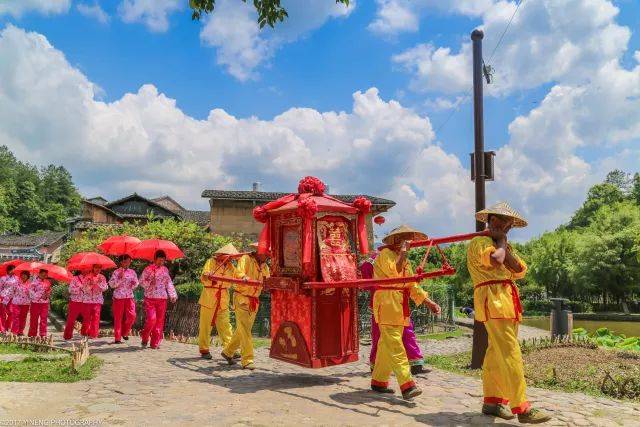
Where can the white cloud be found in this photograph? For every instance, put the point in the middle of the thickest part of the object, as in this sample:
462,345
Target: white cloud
394,16
143,142
94,11
154,14
560,41
241,46
17,8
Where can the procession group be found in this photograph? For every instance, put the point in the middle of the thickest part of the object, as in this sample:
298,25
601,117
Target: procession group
492,265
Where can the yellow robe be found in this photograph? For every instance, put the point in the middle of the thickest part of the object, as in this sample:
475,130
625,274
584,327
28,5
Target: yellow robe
388,311
502,370
248,267
214,300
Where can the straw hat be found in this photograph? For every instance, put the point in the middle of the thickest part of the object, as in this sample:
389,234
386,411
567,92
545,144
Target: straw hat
502,209
227,250
404,232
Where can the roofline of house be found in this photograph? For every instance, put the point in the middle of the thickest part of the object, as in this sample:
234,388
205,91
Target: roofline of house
248,198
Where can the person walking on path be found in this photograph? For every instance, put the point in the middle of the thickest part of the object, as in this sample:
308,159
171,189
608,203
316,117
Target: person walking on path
158,287
94,284
245,305
391,312
494,267
16,298
39,294
7,281
123,281
214,299
76,308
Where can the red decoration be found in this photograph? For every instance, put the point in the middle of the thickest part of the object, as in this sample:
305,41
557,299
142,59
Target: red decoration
86,261
55,272
148,248
379,220
119,245
311,184
364,208
307,209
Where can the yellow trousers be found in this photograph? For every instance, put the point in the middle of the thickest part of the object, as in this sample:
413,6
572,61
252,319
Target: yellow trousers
502,371
391,357
242,338
223,326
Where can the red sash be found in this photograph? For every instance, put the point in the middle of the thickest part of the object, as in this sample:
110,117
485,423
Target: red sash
515,294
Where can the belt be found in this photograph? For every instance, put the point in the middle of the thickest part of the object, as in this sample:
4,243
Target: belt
515,294
218,295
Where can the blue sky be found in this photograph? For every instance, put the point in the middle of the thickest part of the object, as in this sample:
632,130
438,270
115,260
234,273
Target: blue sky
413,53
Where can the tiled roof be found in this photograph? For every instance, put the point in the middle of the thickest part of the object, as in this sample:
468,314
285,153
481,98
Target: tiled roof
199,217
137,206
265,196
98,200
32,240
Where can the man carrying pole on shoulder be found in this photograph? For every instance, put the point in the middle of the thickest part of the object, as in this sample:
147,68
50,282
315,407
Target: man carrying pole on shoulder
251,266
214,299
391,312
494,267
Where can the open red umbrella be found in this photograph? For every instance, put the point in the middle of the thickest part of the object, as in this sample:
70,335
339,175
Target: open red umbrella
5,265
55,272
148,248
86,260
119,245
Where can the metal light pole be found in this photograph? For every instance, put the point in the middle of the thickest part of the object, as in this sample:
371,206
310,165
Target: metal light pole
480,339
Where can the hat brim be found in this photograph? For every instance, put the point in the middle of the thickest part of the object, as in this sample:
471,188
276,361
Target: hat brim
483,216
405,235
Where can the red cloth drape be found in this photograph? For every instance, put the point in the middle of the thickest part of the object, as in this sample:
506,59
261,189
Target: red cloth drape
260,213
364,207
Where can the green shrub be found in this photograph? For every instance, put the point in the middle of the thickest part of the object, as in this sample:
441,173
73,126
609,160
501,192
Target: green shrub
190,291
537,306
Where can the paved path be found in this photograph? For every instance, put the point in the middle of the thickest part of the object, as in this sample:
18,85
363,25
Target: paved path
173,386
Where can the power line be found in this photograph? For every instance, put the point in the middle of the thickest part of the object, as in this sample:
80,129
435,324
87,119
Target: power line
505,29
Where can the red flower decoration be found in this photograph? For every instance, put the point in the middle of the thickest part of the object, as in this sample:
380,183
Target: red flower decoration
260,214
311,184
307,207
379,220
362,204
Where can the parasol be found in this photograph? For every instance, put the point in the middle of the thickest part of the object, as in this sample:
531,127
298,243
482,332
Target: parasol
5,265
86,260
54,272
119,245
148,248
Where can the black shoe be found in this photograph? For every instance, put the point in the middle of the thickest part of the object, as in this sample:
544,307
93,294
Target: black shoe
419,369
229,360
117,342
380,389
207,356
237,356
126,337
411,392
144,344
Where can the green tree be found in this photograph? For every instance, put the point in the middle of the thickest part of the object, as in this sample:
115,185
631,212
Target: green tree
269,11
620,179
598,196
551,263
635,189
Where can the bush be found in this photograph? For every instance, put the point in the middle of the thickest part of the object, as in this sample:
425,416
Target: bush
537,306
190,291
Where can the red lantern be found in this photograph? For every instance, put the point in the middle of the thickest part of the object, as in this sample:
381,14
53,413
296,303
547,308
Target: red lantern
379,220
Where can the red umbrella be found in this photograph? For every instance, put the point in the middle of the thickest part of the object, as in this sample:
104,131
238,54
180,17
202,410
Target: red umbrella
86,260
55,272
5,265
119,245
148,248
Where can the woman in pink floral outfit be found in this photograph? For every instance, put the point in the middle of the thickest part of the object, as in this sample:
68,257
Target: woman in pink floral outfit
6,281
94,284
16,296
158,286
123,281
39,293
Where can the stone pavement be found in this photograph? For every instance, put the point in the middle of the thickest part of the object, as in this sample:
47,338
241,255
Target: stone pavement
174,386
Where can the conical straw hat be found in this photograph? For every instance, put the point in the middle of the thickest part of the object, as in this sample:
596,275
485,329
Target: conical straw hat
502,209
404,232
227,250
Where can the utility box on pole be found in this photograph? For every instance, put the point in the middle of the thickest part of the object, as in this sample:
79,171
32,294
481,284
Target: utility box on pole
488,165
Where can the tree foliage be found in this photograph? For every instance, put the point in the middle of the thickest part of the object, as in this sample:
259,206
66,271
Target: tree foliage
270,12
33,199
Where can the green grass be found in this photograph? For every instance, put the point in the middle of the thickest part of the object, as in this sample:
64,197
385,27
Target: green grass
261,342
440,336
13,349
37,369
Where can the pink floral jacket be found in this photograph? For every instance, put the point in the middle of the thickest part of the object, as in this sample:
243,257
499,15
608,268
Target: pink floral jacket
123,282
157,283
17,293
76,293
7,282
40,290
93,286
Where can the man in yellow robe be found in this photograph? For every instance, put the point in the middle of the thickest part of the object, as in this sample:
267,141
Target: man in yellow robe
245,305
391,312
214,299
494,267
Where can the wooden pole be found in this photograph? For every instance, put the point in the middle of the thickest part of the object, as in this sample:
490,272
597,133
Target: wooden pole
480,338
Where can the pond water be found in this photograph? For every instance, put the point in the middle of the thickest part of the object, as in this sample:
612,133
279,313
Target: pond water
630,329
